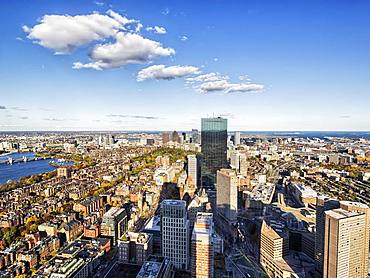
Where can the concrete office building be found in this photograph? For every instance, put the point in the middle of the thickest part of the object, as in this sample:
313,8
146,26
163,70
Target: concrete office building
323,204
345,244
237,138
195,206
202,252
156,267
175,137
238,161
114,223
166,137
175,233
273,247
227,194
135,248
195,136
214,149
193,169
275,256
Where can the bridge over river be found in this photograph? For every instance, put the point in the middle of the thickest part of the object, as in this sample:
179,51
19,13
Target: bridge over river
23,159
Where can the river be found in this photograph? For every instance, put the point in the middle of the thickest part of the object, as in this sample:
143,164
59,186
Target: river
18,170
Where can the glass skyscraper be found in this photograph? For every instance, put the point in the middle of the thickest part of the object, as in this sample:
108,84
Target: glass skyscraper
214,149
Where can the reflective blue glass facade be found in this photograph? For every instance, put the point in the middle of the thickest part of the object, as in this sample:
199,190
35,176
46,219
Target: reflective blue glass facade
214,149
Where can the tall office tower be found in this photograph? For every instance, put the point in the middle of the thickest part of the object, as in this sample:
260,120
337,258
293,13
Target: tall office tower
202,253
274,246
323,204
238,161
110,139
193,169
175,137
165,137
184,136
100,140
237,138
234,160
227,194
243,165
195,136
345,241
362,209
175,233
214,149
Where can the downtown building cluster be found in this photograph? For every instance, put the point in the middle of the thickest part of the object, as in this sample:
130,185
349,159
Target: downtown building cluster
192,204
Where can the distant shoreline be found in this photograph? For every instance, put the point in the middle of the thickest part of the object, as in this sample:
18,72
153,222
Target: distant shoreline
5,154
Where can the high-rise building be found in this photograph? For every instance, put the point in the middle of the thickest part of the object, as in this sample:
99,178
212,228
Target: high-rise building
110,139
227,194
214,149
234,160
193,169
274,246
195,136
323,204
175,137
202,253
175,233
196,205
238,161
345,244
243,165
237,138
114,223
184,136
100,140
362,209
166,137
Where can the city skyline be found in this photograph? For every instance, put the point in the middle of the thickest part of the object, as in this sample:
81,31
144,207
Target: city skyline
163,66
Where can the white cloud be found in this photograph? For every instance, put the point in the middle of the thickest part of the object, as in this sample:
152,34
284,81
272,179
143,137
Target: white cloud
166,73
184,38
79,65
166,11
213,76
123,20
157,29
227,115
244,78
99,3
226,86
128,48
54,119
133,116
138,27
215,82
64,33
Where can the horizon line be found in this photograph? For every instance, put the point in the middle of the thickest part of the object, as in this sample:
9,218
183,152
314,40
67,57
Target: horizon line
137,130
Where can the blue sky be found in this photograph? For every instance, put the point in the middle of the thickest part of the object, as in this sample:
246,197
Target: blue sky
266,65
